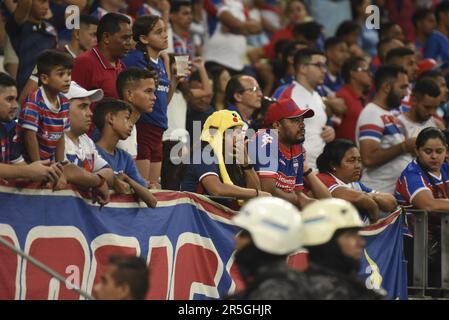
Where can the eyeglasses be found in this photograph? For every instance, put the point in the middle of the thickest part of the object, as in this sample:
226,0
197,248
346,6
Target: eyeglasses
253,89
320,65
367,70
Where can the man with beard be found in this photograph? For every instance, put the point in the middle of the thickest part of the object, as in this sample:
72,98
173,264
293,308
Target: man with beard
279,155
380,135
335,247
272,229
424,100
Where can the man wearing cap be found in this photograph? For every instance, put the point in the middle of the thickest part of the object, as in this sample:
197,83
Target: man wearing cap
79,148
279,155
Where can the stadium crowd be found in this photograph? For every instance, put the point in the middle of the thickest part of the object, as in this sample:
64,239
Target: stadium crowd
236,99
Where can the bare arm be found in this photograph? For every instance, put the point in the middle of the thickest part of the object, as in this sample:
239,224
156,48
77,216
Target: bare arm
37,171
359,199
269,185
60,147
239,27
31,144
22,11
215,187
373,155
205,82
424,200
142,192
318,188
385,201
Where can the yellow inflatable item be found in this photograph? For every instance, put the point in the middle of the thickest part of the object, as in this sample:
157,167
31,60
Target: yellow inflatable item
213,133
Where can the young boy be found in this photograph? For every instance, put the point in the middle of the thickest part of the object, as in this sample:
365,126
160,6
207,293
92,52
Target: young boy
44,116
137,87
112,118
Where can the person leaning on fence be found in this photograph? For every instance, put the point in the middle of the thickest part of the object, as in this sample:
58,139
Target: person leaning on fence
217,178
271,230
124,278
340,167
335,247
424,184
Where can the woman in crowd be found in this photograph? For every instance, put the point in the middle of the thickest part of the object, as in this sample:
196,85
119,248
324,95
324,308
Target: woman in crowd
220,165
340,167
220,78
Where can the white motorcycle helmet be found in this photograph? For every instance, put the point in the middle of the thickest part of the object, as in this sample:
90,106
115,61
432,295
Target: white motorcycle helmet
323,217
275,225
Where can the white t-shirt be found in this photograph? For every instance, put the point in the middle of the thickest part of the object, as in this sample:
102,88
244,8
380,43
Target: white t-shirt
226,48
412,129
380,125
84,155
176,114
313,144
130,145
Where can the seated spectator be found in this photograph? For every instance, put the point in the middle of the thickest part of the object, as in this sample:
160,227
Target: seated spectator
424,100
220,78
380,136
30,34
350,31
443,107
340,167
213,176
111,117
108,6
431,42
12,165
310,33
383,47
45,116
244,96
358,79
279,155
137,87
124,278
391,30
336,52
114,41
181,18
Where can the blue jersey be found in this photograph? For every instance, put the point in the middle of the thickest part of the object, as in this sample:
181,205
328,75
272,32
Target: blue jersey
122,161
414,180
274,160
10,152
158,117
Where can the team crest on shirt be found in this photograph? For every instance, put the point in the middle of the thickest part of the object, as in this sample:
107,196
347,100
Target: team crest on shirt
266,139
295,165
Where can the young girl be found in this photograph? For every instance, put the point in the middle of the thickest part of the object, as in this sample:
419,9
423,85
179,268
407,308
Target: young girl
150,34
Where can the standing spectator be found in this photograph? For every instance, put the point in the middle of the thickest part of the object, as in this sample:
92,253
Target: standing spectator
336,51
279,154
310,67
45,116
350,32
220,79
114,41
442,15
358,79
83,39
9,151
401,12
391,30
151,37
244,96
383,47
329,13
443,108
181,20
432,43
368,37
124,278
108,6
424,100
226,45
381,139
30,35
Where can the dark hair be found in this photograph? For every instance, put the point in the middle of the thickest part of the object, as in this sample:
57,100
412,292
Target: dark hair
130,76
132,271
87,20
332,42
425,87
106,106
280,45
429,133
351,64
304,56
347,27
431,74
387,73
442,7
420,14
6,80
176,5
234,86
290,49
51,59
385,27
143,25
332,154
383,42
110,23
309,30
398,53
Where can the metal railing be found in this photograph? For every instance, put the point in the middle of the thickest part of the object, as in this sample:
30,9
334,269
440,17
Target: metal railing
420,281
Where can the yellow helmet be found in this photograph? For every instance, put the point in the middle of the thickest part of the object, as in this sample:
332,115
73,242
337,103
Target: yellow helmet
323,217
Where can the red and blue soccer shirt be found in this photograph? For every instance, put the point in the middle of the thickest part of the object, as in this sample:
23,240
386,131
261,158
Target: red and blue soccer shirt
274,160
413,180
9,150
48,123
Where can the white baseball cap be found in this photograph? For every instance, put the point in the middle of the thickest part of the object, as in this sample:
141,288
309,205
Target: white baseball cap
76,91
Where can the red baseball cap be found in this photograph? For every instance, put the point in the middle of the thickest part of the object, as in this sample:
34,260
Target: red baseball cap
427,65
286,108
